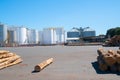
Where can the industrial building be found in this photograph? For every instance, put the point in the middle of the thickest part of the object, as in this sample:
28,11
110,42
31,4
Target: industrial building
89,32
73,35
76,33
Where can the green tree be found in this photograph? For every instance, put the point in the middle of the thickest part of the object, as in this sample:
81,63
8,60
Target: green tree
112,32
117,31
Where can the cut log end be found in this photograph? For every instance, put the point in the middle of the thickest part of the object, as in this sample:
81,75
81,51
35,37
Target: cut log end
103,67
42,65
37,68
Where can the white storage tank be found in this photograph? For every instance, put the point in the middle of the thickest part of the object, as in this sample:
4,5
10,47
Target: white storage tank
65,36
12,36
22,35
33,37
36,37
60,35
15,28
40,33
30,36
41,37
3,34
53,36
49,36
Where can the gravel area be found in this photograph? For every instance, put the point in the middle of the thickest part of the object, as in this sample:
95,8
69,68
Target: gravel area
70,63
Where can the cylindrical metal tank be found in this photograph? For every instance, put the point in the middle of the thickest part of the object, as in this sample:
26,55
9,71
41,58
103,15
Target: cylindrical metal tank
53,35
3,34
49,36
22,35
60,35
16,29
12,37
36,37
25,35
41,37
33,37
30,39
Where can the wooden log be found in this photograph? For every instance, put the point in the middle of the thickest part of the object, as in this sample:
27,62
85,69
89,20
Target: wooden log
6,55
103,67
118,67
42,65
111,52
117,56
118,51
3,52
109,59
113,68
4,59
101,52
19,60
10,60
100,60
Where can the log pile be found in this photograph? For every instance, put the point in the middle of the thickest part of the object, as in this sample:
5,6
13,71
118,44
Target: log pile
8,59
108,60
42,65
114,41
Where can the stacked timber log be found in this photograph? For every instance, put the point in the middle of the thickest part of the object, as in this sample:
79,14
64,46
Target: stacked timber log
114,41
42,65
109,60
8,59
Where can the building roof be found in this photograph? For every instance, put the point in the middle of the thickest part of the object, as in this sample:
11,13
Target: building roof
88,29
73,30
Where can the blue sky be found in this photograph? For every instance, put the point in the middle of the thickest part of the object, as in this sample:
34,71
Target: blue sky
100,15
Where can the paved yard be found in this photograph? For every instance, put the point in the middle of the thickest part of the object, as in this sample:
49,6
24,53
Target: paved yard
70,63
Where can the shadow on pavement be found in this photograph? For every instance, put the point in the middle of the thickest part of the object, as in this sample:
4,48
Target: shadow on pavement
98,71
34,72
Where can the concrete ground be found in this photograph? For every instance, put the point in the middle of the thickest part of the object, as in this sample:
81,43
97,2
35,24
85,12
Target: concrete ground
70,63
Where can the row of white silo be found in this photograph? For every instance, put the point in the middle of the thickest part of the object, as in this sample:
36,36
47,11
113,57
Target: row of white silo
18,35
30,36
22,35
